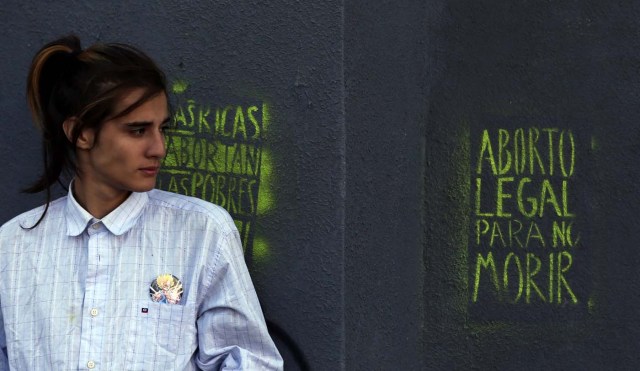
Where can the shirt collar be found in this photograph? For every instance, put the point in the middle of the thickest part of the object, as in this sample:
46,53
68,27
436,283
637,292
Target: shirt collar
119,221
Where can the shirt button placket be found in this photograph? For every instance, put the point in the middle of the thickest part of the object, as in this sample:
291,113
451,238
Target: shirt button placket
95,290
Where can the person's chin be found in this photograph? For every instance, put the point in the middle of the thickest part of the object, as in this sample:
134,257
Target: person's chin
145,186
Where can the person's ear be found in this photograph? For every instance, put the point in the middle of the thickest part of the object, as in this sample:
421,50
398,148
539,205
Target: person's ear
86,138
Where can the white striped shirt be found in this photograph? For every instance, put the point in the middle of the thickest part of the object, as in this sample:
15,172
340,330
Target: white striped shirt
75,291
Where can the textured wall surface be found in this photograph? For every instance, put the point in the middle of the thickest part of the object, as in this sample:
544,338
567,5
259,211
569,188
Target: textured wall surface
531,250
419,185
385,113
277,63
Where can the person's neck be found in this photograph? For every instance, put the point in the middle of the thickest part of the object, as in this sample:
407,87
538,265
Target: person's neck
97,199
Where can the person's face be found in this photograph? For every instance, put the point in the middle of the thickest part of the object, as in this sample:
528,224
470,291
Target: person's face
127,153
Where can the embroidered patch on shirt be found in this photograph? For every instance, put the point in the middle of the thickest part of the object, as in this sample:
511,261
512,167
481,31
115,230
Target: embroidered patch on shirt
166,288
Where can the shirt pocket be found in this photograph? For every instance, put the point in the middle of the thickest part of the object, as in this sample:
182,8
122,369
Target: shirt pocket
160,334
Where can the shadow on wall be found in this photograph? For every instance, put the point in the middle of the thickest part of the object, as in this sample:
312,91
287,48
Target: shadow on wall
288,347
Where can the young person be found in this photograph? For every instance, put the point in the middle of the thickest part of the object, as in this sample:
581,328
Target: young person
118,275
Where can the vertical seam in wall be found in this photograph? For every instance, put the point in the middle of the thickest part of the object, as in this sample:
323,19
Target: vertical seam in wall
425,91
343,188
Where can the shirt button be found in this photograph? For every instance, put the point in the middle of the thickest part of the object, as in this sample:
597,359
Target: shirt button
91,364
94,312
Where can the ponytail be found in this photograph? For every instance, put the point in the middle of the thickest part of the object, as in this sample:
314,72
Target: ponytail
50,69
47,68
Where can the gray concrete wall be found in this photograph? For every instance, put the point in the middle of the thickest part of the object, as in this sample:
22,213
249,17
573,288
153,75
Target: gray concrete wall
385,70
375,226
507,287
272,66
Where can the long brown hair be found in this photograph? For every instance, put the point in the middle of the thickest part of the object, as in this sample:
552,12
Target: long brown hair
65,82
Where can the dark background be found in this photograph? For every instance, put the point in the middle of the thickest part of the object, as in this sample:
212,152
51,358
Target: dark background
377,114
500,64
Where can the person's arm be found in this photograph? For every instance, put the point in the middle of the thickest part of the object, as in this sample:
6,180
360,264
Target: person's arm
232,334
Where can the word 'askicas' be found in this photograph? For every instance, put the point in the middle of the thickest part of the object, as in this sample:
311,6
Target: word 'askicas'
231,122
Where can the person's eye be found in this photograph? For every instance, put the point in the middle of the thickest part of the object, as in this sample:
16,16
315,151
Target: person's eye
137,131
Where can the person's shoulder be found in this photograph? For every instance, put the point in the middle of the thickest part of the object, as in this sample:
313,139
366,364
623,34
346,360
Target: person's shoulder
27,219
182,204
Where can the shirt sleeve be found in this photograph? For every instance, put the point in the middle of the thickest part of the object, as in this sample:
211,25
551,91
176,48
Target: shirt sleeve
232,334
4,360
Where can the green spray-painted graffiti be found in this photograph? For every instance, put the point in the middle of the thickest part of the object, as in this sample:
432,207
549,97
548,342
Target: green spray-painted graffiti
218,154
524,231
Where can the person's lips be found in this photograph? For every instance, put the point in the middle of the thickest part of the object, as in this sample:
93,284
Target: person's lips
150,170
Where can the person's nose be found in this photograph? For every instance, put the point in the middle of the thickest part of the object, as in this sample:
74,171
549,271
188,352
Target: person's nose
157,146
